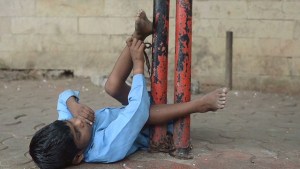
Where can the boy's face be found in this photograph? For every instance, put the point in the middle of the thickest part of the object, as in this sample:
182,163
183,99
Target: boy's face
81,132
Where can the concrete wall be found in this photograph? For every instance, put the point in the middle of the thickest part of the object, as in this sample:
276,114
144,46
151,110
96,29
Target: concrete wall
87,37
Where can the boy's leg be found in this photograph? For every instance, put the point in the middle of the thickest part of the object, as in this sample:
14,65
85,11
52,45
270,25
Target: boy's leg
116,84
163,113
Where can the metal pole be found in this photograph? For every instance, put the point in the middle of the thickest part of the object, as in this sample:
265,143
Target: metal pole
159,70
228,60
182,86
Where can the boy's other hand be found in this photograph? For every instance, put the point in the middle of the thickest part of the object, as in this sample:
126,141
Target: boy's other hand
85,112
81,111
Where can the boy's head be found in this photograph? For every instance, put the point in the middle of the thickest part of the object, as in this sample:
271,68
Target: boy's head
60,144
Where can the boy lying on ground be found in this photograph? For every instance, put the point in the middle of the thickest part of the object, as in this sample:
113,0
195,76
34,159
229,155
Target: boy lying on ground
110,134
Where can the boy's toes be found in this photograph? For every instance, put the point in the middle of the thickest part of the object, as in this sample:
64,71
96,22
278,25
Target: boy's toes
221,107
223,94
139,12
222,98
129,41
221,104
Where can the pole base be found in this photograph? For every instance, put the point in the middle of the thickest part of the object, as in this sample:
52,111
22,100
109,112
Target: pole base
165,145
182,153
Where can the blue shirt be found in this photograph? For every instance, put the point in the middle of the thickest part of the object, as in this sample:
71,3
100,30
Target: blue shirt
117,132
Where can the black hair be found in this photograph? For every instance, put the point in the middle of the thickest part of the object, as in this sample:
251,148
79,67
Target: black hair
53,146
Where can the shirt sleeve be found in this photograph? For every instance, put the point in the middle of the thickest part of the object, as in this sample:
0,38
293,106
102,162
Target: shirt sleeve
62,109
115,141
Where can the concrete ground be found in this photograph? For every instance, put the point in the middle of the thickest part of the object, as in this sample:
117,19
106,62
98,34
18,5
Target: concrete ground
256,130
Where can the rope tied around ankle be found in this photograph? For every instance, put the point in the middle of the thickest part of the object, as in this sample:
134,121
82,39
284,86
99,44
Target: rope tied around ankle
148,46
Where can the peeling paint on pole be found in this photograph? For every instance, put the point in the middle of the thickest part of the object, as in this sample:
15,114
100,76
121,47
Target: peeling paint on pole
159,70
182,84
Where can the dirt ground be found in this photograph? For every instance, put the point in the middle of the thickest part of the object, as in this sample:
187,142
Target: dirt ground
255,130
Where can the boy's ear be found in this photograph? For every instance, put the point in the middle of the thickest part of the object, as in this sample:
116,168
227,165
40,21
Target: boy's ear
78,158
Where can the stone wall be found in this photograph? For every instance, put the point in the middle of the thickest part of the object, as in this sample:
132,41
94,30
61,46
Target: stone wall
87,37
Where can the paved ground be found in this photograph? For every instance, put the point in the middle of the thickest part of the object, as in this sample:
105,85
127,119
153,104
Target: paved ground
256,130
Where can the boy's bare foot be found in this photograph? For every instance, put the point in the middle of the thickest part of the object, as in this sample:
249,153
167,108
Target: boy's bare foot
212,101
143,27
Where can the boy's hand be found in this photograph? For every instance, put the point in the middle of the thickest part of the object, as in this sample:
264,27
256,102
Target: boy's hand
137,48
81,110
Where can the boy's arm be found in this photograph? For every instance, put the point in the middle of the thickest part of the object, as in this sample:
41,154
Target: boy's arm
118,138
120,135
62,108
68,106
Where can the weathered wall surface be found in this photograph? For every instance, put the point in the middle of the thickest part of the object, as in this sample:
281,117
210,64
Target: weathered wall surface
87,37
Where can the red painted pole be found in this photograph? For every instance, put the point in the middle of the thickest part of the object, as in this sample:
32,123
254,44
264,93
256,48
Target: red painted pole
159,70
182,81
